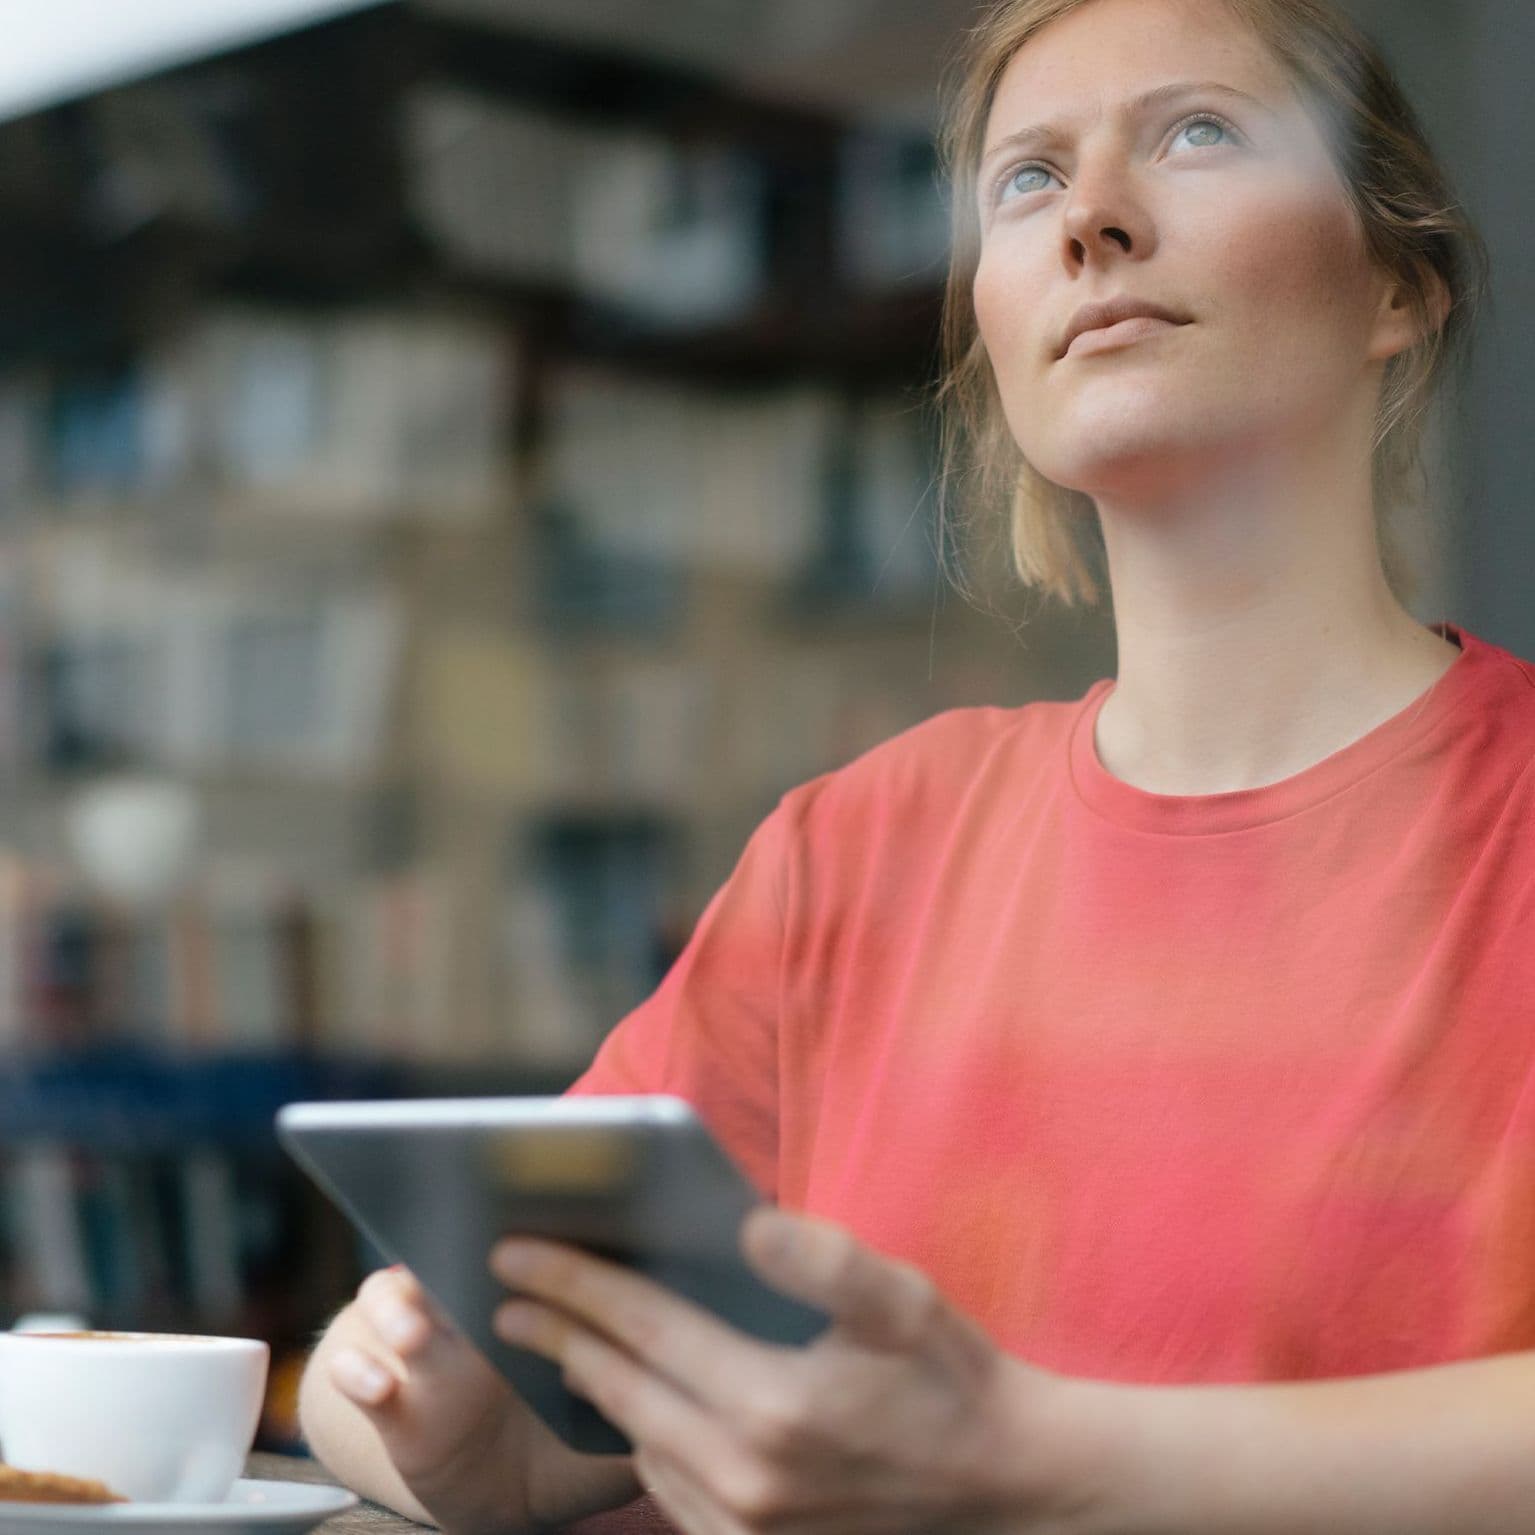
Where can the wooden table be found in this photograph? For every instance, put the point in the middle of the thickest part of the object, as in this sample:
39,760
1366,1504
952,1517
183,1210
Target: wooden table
366,1516
640,1518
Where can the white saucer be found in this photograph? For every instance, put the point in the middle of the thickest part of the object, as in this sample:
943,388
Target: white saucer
252,1508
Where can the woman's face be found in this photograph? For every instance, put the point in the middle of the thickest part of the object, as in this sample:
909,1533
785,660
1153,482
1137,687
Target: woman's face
1223,208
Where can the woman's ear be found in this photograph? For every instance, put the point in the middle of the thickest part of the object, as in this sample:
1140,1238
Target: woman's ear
1397,327
1439,303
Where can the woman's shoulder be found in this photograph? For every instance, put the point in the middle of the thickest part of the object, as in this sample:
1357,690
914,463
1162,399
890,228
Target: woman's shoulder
1494,688
1501,666
932,766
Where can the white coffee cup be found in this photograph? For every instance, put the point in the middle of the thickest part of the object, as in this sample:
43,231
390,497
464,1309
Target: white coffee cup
158,1417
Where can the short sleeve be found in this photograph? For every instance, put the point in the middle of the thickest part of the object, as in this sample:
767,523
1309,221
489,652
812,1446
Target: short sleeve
710,1033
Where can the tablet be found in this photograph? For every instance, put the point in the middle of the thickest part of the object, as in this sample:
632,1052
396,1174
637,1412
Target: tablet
433,1183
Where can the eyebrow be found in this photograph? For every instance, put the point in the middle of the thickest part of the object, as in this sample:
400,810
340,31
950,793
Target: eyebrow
1042,134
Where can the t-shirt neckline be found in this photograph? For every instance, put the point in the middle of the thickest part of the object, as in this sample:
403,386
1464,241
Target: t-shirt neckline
1240,809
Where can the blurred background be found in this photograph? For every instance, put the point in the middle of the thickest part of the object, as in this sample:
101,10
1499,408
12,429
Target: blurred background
459,465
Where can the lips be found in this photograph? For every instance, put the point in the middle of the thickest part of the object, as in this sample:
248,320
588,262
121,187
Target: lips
1103,316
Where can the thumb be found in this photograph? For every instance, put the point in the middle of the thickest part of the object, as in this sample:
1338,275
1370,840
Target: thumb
423,1398
362,1378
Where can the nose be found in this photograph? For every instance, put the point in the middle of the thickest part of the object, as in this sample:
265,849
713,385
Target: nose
1103,217
1083,244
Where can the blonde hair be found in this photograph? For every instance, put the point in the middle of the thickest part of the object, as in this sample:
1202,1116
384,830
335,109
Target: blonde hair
1414,227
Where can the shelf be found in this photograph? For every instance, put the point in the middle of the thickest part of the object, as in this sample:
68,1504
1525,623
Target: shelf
321,108
61,784
132,1098
830,330
606,85
838,334
409,873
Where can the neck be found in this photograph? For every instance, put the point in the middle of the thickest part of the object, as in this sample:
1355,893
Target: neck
1257,633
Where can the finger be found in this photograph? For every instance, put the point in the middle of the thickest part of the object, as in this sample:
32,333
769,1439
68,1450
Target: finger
669,1335
397,1329
682,1497
410,1400
361,1377
395,1306
394,1278
651,1409
399,1281
378,1384
882,1302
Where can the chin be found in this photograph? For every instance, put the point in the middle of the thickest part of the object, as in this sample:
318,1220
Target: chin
1111,468
1120,454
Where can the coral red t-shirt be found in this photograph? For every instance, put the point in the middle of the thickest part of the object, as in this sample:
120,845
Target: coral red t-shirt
1225,1087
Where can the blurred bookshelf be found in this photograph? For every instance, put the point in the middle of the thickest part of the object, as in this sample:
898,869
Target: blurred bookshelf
479,473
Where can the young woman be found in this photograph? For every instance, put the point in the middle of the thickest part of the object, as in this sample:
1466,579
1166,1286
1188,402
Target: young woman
1152,1076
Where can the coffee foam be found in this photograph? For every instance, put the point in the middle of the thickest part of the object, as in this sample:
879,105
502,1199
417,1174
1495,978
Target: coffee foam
129,1337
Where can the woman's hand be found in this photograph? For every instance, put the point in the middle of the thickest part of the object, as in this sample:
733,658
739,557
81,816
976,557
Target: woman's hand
464,1447
440,1411
902,1416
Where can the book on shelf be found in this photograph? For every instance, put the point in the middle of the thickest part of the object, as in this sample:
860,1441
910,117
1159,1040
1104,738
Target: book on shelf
754,748
518,722
771,484
684,476
94,445
670,233
305,679
586,929
659,720
124,1239
398,966
255,1000
369,414
81,972
13,640
22,430
107,438
212,1237
487,700
893,213
67,981
578,585
245,963
111,1230
211,670
542,1005
248,389
154,1008
356,415
167,149
491,184
89,685
190,1017
51,1267
893,504
16,928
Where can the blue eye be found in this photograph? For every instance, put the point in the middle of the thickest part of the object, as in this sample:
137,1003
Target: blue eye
1014,177
1195,124
1011,180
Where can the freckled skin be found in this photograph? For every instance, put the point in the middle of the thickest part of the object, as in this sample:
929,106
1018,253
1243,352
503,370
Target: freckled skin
1249,232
